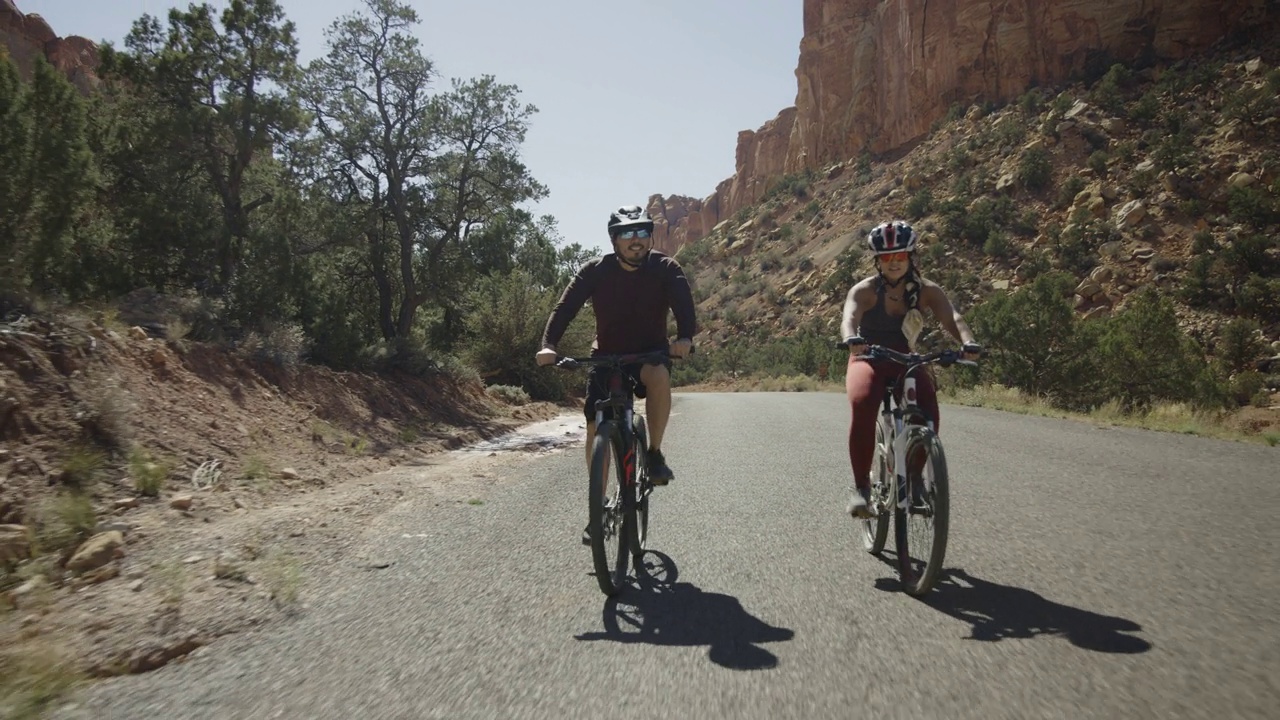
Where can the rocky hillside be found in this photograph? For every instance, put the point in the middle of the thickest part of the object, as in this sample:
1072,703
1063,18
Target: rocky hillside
874,77
1167,175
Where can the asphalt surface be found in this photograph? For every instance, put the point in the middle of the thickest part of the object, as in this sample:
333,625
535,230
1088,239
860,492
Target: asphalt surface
1091,572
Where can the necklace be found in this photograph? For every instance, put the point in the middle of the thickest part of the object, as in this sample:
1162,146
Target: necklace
893,297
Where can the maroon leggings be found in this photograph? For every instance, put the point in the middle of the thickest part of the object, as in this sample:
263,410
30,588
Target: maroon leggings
864,384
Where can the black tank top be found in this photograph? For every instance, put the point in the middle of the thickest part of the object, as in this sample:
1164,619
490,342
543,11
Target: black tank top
878,327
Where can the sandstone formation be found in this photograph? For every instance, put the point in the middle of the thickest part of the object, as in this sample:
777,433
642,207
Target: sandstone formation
26,37
874,75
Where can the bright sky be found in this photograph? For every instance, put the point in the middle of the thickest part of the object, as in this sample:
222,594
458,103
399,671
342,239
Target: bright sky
635,97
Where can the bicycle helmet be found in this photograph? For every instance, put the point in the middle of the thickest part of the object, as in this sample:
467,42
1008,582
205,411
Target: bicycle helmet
892,237
629,217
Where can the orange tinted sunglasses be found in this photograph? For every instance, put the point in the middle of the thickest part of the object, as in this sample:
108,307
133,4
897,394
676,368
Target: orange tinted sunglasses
890,257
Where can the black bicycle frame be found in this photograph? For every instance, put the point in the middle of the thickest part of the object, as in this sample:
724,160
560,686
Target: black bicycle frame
621,400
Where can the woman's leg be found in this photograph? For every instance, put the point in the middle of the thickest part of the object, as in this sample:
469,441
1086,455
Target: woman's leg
864,388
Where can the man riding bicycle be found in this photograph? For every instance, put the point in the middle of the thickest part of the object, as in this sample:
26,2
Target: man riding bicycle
631,291
887,309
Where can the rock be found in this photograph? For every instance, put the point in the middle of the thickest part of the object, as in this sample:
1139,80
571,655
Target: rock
1101,274
1130,214
27,36
159,654
1113,126
125,503
1241,179
1144,166
1077,111
1143,254
27,593
228,567
121,527
1088,288
138,333
96,551
102,574
1111,249
181,502
15,543
288,474
999,284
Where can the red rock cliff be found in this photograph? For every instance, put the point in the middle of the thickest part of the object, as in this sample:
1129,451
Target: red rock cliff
874,75
27,36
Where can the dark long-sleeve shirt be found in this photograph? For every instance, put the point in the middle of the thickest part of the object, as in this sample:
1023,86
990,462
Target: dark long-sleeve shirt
630,306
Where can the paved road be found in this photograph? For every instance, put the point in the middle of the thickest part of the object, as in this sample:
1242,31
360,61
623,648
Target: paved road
1092,573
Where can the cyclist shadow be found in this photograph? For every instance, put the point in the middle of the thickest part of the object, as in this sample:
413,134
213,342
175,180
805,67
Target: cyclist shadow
656,610
997,612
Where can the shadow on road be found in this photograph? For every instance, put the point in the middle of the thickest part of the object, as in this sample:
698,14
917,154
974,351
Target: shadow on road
657,610
1000,611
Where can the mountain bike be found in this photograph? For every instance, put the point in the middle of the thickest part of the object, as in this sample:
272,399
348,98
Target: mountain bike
618,523
909,474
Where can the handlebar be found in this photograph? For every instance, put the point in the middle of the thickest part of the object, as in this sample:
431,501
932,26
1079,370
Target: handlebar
944,358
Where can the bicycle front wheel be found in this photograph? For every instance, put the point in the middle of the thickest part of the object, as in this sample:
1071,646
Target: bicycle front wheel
876,530
640,536
922,537
607,521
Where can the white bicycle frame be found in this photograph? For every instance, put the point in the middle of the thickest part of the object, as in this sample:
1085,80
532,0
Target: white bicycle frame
895,420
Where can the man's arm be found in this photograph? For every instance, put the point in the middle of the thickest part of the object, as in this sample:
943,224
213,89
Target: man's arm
680,297
571,301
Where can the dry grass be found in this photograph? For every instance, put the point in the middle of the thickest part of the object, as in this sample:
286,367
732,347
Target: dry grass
147,473
32,677
281,575
1164,417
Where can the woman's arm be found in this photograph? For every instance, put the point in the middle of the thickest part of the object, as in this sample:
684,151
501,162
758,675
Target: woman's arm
935,298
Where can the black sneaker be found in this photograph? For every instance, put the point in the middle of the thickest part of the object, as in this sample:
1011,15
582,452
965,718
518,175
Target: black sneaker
659,473
860,504
586,534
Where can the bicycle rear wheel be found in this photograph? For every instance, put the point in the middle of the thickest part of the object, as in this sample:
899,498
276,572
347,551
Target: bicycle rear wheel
876,530
922,528
607,522
640,535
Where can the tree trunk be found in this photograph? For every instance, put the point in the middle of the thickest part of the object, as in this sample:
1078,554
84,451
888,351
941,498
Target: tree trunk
378,263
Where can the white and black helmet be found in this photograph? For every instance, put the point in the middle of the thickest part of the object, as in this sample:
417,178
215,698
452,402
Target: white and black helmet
629,217
892,237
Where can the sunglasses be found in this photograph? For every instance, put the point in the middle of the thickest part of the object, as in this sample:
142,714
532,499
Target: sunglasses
901,256
628,234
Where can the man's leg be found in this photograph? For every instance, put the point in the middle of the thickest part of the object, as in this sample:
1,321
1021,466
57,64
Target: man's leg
657,411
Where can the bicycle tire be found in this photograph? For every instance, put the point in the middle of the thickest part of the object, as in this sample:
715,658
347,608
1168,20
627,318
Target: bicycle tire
875,531
919,581
607,523
640,536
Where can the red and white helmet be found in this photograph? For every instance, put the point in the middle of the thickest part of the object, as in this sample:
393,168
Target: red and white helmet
892,237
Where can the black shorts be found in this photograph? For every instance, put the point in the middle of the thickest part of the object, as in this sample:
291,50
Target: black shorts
598,386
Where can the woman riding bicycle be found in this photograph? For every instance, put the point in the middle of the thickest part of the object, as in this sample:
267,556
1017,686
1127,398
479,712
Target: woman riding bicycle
887,309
